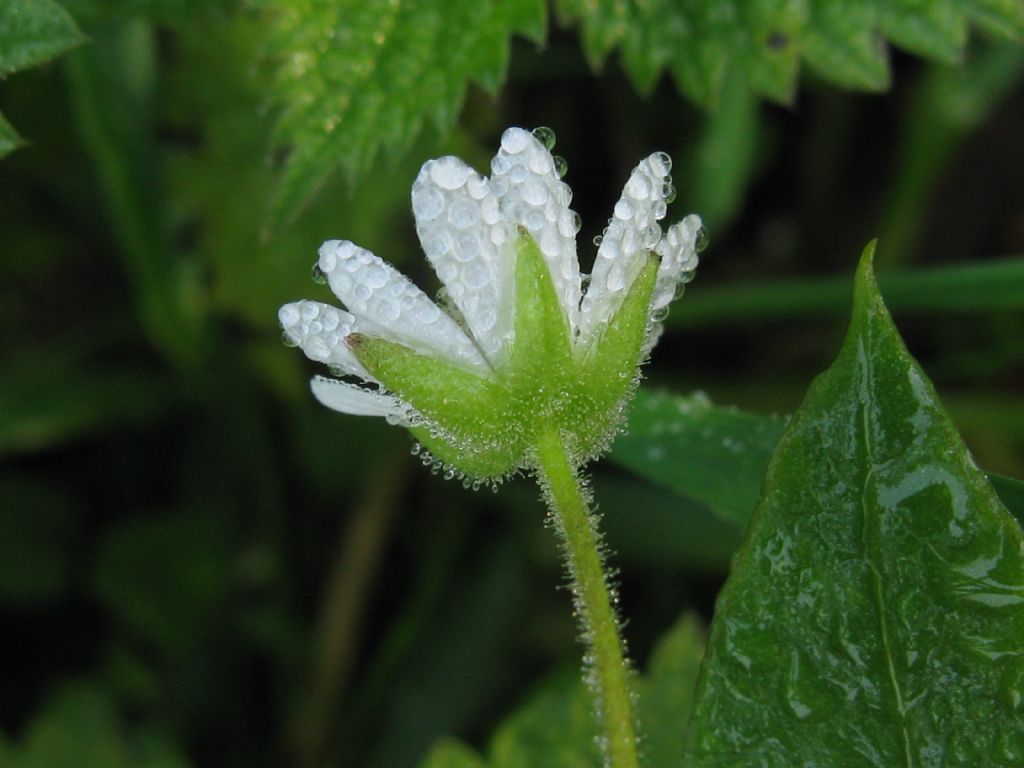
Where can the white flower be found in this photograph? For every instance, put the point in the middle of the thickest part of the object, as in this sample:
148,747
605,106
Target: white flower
473,230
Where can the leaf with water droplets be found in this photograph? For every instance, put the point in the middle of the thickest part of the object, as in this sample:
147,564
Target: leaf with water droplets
874,615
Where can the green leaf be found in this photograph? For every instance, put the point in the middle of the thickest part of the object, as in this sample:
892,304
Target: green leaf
9,138
716,456
38,523
34,31
954,289
666,693
646,525
357,79
762,42
874,615
79,727
165,577
114,87
31,32
165,11
731,446
49,405
724,157
1011,493
453,754
556,728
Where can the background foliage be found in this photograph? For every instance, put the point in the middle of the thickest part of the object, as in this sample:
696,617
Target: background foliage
199,565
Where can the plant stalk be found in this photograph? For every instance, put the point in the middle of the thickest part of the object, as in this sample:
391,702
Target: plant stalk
608,673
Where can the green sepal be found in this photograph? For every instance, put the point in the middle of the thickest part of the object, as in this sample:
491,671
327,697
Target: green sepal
541,352
609,366
468,415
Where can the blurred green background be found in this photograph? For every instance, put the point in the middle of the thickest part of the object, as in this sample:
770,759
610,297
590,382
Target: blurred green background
199,565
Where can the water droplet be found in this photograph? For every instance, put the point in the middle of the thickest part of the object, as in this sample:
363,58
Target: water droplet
668,192
623,210
318,275
665,160
702,240
416,448
545,136
577,222
598,239
336,370
513,141
561,167
288,340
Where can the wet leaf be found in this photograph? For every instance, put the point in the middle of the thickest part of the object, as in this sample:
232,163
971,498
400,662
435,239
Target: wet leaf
874,616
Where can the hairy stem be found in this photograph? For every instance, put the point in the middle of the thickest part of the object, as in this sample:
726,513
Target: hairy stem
609,674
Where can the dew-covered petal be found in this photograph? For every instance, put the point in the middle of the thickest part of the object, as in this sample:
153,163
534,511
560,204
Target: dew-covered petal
455,214
320,331
524,180
385,302
632,232
358,401
678,252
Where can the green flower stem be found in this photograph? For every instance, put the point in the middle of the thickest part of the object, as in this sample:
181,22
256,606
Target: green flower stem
593,599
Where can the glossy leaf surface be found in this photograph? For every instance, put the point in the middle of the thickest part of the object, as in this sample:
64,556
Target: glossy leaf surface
875,614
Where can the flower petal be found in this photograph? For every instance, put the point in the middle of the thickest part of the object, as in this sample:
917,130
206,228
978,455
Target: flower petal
320,330
678,251
459,226
524,180
350,398
386,303
632,232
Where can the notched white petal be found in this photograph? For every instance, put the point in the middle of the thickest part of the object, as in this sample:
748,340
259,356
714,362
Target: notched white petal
386,303
524,180
357,401
455,214
678,251
632,232
320,331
